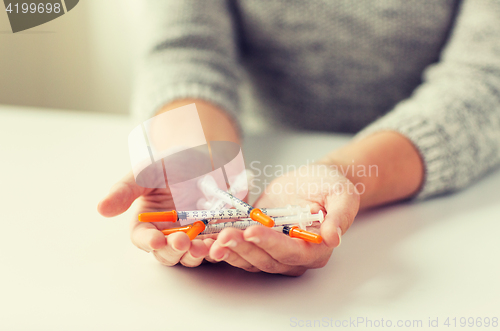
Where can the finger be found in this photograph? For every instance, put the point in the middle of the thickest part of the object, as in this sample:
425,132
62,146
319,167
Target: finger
295,271
286,250
120,197
195,255
177,245
341,209
256,256
146,236
219,253
209,242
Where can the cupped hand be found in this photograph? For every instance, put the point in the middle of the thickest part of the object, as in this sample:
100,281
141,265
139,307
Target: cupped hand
148,236
264,249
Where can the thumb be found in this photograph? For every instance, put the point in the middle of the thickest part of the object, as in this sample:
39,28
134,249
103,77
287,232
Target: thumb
341,208
120,197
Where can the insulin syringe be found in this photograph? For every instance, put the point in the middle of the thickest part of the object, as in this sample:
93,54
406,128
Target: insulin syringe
289,225
300,220
221,214
209,188
290,230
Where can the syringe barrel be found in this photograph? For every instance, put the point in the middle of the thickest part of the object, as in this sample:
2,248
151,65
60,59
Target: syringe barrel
301,218
209,188
233,201
282,221
242,225
225,214
218,227
286,211
221,214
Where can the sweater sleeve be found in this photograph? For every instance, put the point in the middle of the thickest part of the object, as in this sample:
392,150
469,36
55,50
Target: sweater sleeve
190,53
453,117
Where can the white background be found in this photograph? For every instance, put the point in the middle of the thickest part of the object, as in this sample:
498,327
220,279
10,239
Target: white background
82,60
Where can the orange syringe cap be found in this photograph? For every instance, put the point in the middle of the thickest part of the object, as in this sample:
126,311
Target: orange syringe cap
258,216
179,229
163,216
296,232
196,228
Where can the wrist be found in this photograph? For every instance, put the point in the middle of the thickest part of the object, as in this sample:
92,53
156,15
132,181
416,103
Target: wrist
386,165
360,172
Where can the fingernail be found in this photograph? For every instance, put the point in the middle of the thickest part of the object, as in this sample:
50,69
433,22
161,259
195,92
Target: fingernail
255,240
223,258
339,231
175,248
231,243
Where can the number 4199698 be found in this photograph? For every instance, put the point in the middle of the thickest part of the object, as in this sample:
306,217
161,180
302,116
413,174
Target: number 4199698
472,322
34,8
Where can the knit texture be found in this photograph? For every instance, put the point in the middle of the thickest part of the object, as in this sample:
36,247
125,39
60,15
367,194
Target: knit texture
429,69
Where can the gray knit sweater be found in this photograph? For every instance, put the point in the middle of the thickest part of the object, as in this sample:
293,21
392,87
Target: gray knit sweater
429,69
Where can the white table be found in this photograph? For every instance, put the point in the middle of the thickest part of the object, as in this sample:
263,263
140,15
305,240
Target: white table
64,267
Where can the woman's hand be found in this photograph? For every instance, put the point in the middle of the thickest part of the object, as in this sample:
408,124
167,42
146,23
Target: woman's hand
264,249
148,236
217,126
